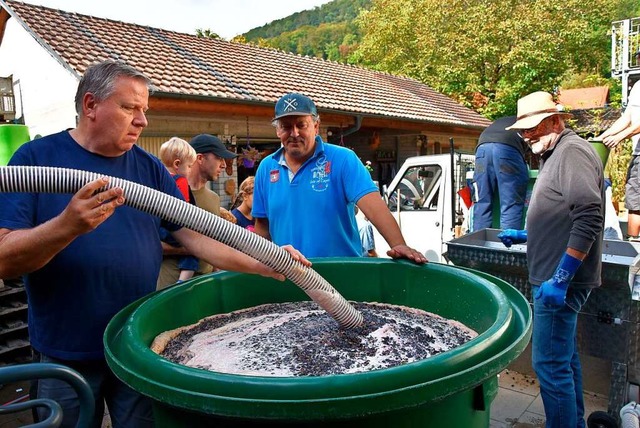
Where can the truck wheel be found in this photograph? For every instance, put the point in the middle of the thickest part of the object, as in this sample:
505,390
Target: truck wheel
600,419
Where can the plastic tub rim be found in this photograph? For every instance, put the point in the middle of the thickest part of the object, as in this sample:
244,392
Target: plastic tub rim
487,337
229,406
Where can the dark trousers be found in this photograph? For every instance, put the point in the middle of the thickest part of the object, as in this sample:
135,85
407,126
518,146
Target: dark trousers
500,169
127,408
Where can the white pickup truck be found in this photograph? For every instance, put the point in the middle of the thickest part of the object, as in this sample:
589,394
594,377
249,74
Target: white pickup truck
431,212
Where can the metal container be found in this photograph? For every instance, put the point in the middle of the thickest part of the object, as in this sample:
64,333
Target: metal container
454,388
608,324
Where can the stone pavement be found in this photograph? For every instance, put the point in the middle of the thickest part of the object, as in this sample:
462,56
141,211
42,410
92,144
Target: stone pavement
519,405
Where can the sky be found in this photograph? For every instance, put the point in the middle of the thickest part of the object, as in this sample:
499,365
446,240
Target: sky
227,18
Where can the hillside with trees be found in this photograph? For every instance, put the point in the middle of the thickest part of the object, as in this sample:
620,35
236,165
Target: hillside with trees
328,31
484,53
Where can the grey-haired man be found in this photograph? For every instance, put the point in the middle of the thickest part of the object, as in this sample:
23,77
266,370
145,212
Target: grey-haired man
86,256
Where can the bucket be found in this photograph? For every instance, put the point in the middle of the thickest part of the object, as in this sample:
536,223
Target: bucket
11,137
453,389
602,150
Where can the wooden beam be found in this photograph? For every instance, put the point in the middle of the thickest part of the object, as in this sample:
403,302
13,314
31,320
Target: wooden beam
191,107
418,127
201,108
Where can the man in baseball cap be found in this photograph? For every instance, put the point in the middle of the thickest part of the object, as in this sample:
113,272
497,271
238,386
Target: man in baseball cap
305,192
211,158
564,249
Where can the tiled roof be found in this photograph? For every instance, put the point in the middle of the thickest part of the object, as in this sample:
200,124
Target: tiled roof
584,98
594,121
193,66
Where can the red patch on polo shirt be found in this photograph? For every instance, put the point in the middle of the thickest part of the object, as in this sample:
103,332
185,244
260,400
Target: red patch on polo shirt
327,168
274,175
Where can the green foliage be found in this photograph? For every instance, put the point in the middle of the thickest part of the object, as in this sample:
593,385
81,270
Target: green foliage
483,53
328,41
333,12
207,33
487,53
327,32
616,169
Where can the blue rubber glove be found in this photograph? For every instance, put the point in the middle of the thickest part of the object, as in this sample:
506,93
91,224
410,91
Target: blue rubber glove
553,291
512,236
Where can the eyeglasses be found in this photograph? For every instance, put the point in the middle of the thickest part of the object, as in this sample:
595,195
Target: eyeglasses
530,130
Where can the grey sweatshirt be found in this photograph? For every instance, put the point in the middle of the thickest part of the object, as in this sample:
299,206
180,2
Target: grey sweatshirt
567,210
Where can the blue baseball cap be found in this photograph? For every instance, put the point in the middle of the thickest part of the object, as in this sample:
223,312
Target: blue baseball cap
295,105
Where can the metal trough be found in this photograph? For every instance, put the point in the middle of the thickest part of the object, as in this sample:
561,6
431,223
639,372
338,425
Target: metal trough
609,323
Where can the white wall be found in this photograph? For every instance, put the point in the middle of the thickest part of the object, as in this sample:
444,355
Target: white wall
46,89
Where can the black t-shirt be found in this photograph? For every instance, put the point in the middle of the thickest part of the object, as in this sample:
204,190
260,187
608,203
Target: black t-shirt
496,133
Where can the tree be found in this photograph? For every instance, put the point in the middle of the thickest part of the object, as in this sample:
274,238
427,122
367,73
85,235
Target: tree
487,53
207,33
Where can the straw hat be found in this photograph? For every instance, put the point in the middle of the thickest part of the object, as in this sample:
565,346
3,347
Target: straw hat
535,107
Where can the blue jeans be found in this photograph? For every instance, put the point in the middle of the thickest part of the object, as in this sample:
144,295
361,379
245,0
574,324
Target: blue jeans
500,169
555,359
127,408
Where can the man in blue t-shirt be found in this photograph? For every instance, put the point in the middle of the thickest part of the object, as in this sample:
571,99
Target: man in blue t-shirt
84,257
305,192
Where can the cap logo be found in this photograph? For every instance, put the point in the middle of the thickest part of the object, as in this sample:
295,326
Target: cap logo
290,104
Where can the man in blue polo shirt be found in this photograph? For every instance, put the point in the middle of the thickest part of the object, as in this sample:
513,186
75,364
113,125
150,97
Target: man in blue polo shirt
305,192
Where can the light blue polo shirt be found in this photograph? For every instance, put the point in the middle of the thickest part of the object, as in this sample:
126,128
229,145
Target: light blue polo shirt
313,210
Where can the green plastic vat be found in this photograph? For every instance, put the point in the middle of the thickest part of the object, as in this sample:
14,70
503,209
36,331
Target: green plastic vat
11,137
453,389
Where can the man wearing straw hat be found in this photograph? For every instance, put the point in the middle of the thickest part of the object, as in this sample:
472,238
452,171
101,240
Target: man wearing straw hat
564,228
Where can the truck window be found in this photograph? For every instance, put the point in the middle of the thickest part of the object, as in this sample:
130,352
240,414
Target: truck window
418,189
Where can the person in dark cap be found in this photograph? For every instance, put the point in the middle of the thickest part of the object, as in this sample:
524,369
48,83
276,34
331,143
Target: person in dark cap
211,158
565,223
305,192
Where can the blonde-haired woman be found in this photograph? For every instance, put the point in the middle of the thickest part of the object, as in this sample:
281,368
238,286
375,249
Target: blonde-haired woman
242,212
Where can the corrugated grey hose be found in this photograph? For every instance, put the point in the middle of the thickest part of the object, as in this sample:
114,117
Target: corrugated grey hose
629,416
40,179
